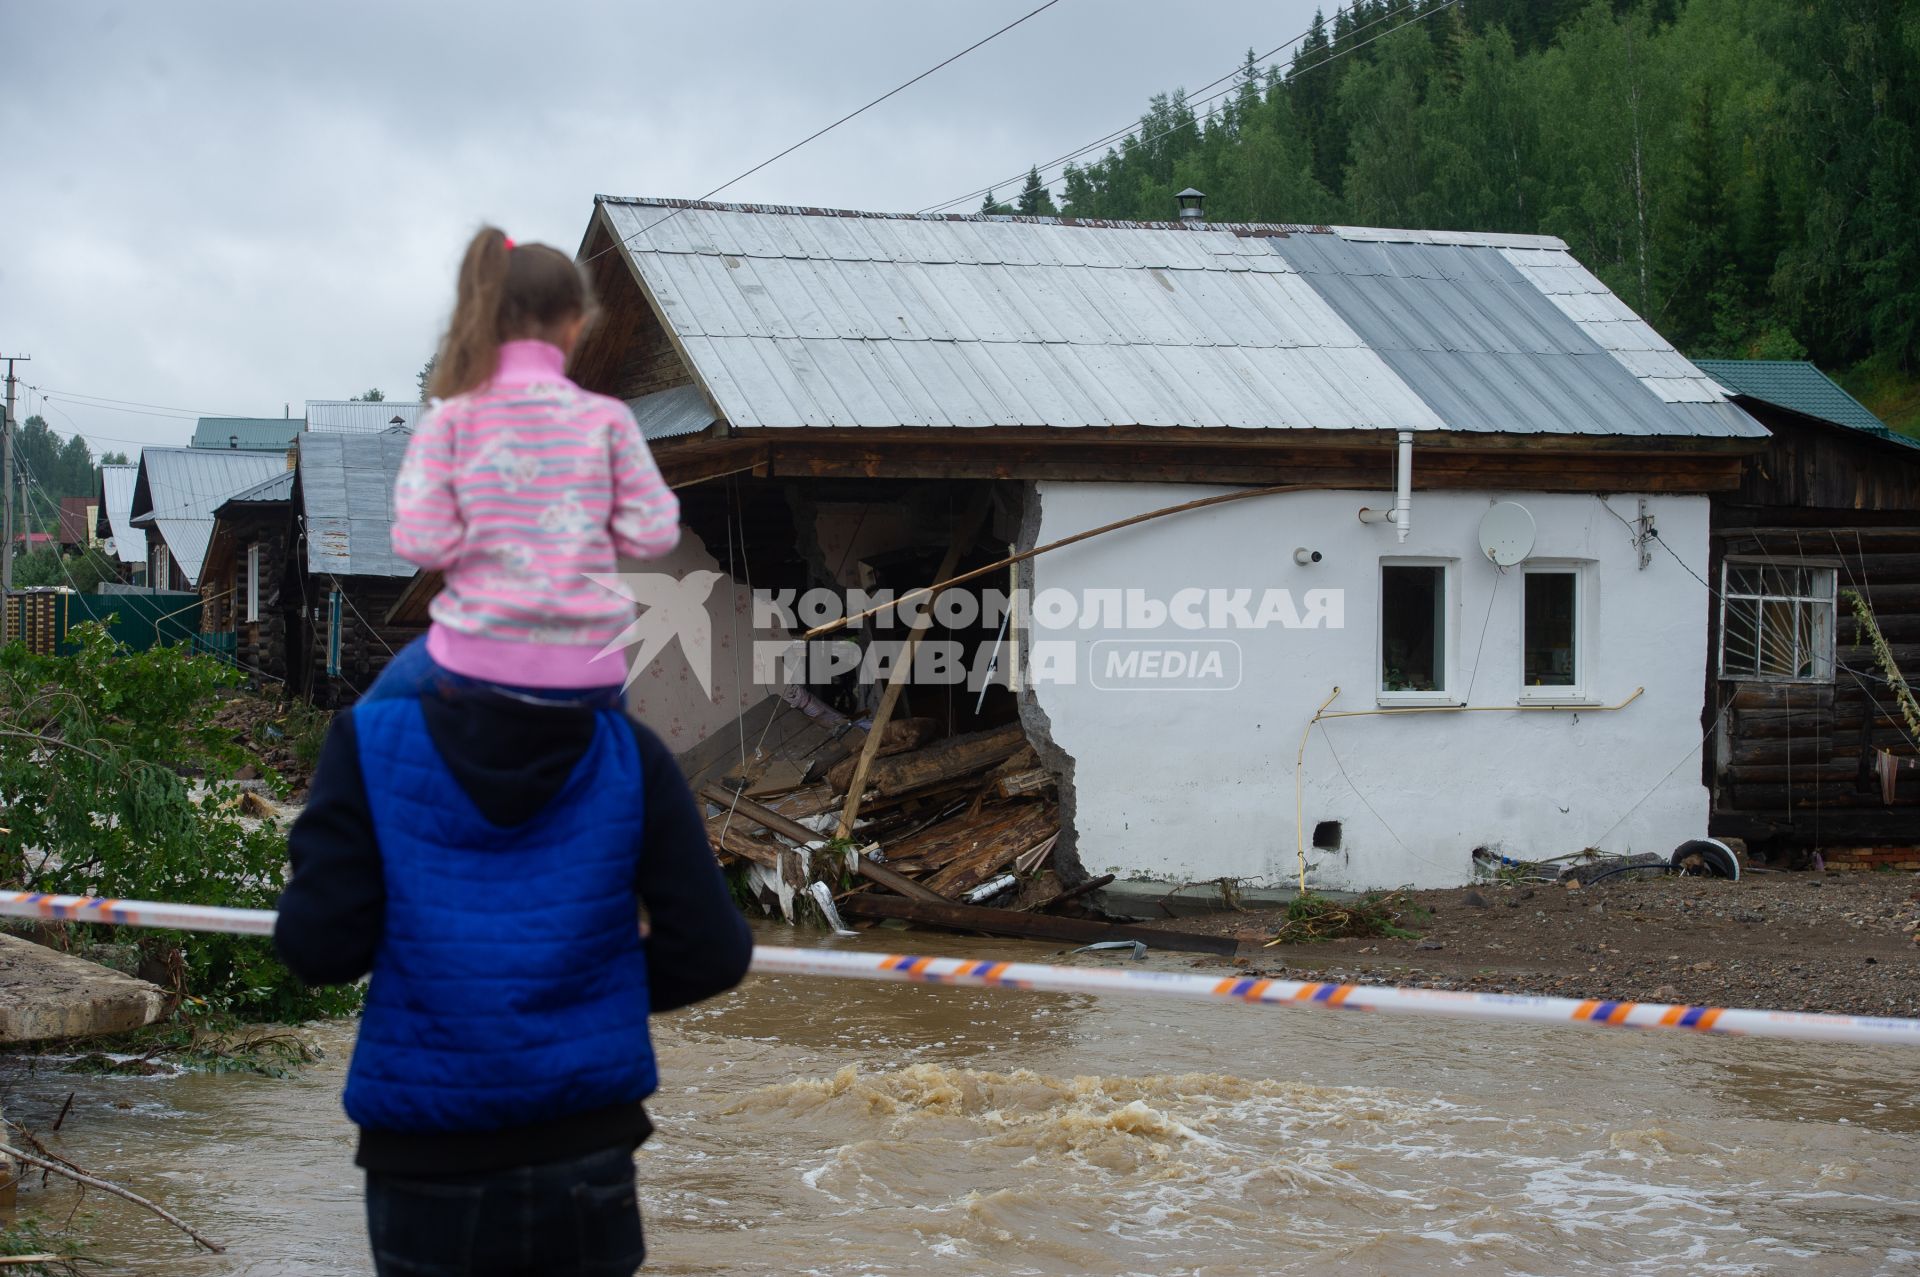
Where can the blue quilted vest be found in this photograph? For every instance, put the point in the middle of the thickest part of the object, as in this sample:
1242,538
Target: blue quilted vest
510,985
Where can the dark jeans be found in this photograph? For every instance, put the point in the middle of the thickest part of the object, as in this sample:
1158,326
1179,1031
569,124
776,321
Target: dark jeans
413,673
566,1219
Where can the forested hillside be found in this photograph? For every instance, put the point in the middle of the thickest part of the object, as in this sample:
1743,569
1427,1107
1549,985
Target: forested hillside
1745,173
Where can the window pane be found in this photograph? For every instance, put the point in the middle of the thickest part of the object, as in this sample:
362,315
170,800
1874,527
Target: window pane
1412,628
1740,639
1743,578
1548,643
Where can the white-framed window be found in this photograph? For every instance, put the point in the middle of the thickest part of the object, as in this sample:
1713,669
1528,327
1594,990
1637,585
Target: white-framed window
1776,621
253,582
162,565
1417,631
1556,631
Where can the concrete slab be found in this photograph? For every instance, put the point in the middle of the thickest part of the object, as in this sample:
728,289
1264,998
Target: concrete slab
45,994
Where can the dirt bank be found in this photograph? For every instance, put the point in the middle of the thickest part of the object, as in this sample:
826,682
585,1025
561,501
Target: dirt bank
1790,941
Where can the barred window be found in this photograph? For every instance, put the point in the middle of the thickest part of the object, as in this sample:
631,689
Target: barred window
1776,621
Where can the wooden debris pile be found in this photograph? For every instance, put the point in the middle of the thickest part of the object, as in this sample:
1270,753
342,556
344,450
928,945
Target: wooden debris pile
955,831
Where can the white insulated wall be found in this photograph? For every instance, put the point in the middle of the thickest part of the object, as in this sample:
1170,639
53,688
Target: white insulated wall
1190,785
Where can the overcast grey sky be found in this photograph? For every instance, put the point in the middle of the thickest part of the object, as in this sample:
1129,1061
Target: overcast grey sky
232,207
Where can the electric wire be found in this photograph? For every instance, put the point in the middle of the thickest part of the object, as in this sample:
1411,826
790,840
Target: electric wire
822,132
1196,102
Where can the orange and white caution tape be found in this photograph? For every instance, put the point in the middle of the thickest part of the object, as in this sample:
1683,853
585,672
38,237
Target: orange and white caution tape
1041,978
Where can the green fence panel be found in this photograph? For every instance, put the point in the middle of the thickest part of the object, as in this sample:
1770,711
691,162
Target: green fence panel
141,620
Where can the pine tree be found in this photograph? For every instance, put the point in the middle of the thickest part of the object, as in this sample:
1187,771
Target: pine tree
1034,199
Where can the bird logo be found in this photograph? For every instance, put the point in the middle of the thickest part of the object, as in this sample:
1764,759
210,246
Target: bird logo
670,607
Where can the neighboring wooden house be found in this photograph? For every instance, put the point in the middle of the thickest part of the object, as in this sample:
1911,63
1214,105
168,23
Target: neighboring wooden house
124,544
245,576
77,518
852,393
176,491
344,576
1802,718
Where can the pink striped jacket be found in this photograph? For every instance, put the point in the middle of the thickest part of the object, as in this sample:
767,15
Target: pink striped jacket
516,491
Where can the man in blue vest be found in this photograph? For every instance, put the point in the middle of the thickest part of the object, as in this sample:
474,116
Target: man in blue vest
485,855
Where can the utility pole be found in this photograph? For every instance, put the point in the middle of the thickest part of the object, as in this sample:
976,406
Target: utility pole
6,486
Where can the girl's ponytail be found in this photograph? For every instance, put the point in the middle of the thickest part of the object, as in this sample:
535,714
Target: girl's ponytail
472,349
506,292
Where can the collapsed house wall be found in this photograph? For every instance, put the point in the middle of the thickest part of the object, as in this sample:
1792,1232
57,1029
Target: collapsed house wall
1186,783
667,695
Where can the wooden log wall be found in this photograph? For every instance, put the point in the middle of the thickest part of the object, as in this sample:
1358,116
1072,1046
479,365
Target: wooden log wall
261,645
367,643
1793,764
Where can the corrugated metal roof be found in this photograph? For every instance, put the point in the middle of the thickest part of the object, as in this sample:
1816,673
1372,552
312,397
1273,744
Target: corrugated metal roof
116,512
1798,386
1485,348
810,320
246,434
669,414
278,488
359,417
807,317
1613,326
345,484
178,489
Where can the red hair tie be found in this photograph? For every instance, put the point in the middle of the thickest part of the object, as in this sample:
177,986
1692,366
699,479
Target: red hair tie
508,241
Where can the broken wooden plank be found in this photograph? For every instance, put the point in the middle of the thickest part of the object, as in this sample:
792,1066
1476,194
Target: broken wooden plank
732,838
945,760
1086,888
971,852
1029,926
898,883
1031,781
759,814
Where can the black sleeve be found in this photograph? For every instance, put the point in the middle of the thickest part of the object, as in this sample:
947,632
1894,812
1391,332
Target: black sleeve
332,912
698,943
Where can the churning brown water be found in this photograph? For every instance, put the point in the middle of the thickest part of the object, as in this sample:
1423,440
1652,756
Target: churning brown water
812,1126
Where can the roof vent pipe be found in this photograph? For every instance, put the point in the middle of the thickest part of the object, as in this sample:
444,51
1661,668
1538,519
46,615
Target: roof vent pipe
1401,516
1193,205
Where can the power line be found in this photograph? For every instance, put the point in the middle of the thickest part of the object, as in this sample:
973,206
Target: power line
1202,101
819,133
134,403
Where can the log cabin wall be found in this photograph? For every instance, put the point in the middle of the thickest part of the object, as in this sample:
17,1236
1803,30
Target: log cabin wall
367,642
1792,766
260,645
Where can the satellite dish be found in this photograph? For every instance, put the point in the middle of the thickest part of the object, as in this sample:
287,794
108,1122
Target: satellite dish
1506,533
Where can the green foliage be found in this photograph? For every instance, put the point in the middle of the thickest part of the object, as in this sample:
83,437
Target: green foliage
1745,173
97,755
29,1237
1865,622
306,729
114,459
425,376
376,395
1312,917
61,467
48,566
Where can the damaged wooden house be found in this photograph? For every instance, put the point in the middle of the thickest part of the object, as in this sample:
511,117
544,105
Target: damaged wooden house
1816,559
1284,554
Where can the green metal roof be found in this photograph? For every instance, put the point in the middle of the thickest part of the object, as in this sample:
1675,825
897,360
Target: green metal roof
1796,385
253,434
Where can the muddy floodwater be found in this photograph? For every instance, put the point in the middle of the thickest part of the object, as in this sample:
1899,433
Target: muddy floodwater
812,1126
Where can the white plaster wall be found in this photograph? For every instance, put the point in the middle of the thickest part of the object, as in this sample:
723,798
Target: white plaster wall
1194,785
666,696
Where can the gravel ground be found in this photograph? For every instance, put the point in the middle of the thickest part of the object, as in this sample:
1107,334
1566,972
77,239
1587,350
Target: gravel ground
1839,942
